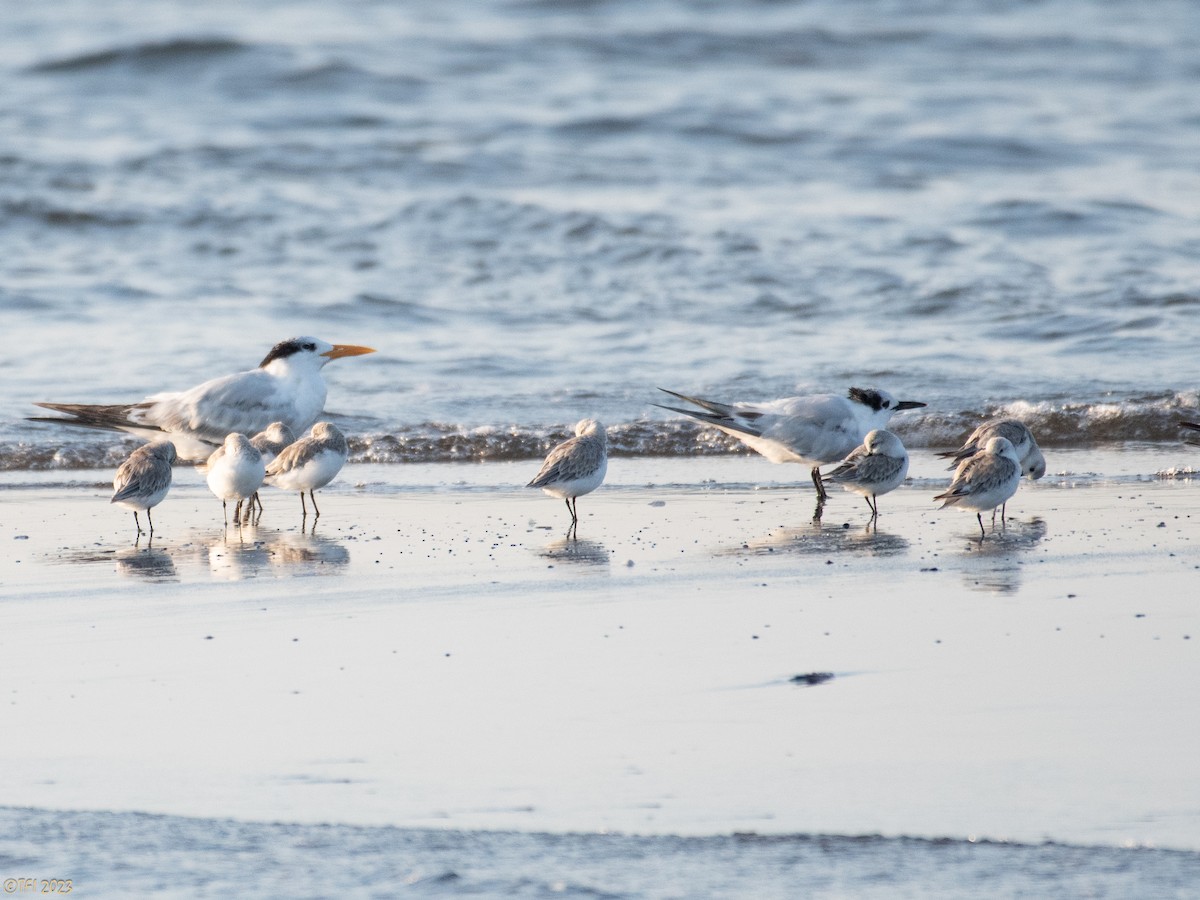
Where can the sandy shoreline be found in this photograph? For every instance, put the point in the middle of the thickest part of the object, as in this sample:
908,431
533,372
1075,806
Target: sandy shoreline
436,655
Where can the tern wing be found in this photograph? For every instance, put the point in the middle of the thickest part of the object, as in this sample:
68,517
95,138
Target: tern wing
246,402
821,429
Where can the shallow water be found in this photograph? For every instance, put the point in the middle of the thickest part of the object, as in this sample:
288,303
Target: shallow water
540,211
183,857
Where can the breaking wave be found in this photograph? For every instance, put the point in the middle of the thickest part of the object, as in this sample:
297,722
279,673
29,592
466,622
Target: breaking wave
1150,419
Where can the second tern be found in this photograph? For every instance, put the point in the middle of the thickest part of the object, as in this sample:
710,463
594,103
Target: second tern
813,430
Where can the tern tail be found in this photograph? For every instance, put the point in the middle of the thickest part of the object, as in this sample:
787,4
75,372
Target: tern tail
108,418
720,414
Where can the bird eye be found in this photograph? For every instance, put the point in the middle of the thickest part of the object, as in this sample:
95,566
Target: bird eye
310,346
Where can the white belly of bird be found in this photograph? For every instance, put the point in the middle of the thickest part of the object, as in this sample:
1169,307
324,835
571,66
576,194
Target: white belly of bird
577,487
141,504
234,478
314,474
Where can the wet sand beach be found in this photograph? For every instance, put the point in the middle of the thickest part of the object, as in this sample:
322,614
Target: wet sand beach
436,655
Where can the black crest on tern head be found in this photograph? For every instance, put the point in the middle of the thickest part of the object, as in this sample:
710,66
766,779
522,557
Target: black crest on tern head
284,349
868,397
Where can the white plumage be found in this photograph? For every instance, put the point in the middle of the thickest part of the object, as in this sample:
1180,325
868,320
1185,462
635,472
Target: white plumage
235,471
814,431
286,387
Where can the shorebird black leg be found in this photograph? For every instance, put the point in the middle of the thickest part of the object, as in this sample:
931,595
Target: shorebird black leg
982,533
313,497
816,477
303,507
150,520
225,510
874,505
138,524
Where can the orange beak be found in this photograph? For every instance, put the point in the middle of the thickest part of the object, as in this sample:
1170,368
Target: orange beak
340,350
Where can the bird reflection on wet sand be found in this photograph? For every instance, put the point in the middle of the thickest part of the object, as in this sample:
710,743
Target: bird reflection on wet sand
994,566
575,550
830,539
150,563
234,556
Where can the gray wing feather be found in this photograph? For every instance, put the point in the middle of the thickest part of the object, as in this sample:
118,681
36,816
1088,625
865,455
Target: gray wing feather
720,414
574,458
140,474
870,468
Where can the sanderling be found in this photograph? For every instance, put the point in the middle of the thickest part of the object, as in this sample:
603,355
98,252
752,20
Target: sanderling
1029,453
310,463
986,480
879,465
286,387
575,467
814,430
142,481
270,442
235,471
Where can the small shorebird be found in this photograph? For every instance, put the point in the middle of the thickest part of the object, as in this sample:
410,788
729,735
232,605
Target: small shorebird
270,443
235,471
876,467
985,481
815,430
310,463
286,387
1029,453
142,481
575,467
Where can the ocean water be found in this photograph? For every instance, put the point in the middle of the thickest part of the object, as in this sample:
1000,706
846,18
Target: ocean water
538,211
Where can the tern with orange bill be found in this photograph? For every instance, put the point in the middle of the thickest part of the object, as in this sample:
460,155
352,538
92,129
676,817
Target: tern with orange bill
287,386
